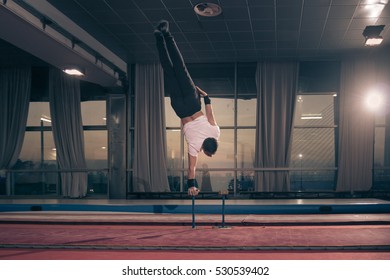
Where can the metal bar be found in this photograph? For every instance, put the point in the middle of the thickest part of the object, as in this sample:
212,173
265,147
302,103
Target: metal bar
193,211
223,210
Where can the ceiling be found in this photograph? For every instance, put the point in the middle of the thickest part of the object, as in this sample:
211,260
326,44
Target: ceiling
247,30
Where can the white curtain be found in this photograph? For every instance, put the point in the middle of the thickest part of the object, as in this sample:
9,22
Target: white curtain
276,91
65,110
359,76
150,171
15,86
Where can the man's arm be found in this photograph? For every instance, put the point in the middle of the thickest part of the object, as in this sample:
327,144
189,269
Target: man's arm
209,108
192,161
210,114
191,166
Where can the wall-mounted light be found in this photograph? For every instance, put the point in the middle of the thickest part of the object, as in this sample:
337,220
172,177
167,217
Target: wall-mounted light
372,35
374,100
74,70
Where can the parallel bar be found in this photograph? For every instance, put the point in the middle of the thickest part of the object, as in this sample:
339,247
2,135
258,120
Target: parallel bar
193,211
223,210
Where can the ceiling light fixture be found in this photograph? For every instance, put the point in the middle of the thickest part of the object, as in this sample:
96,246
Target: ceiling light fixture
74,71
208,9
372,35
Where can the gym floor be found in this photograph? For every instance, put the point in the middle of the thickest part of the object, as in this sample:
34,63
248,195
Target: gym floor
349,230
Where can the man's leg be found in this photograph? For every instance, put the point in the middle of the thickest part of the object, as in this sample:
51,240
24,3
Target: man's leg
165,60
187,86
173,86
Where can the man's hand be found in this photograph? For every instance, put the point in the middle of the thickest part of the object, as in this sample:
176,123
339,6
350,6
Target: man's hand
193,191
201,91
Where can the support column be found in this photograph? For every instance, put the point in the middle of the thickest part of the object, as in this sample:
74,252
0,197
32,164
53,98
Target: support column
117,146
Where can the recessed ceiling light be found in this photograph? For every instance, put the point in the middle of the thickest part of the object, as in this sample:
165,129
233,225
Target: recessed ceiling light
372,35
373,41
74,71
208,9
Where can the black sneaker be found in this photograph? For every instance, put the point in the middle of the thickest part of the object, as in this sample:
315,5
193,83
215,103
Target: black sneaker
163,26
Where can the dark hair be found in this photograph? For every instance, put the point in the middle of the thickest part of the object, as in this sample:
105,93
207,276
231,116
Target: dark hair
210,145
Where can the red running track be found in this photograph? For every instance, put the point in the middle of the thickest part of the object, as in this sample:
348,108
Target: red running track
115,242
84,254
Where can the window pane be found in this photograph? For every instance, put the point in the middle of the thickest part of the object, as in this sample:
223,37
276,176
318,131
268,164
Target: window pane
312,180
246,83
245,182
382,158
35,183
382,143
246,142
246,139
96,149
382,118
213,181
38,151
218,81
246,112
173,149
247,94
93,112
171,119
223,109
38,112
174,180
312,110
313,148
97,182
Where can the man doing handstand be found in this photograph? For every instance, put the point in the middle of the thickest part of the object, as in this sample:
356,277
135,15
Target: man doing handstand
200,131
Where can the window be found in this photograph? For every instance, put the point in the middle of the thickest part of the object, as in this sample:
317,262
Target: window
95,145
382,152
32,172
313,146
35,172
93,112
95,133
232,88
245,128
233,92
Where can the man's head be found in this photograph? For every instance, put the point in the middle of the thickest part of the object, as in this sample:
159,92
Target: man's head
210,146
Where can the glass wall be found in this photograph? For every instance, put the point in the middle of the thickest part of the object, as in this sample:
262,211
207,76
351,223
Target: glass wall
31,174
382,152
245,129
232,90
313,146
36,170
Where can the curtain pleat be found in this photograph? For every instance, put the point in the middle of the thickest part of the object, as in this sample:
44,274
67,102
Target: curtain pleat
65,110
359,76
15,87
150,170
276,89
